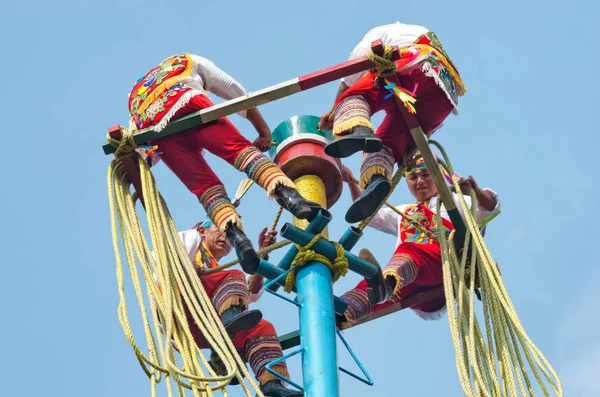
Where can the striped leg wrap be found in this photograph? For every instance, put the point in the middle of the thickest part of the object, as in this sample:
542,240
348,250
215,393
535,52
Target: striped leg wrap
380,163
402,267
231,292
352,112
358,305
218,207
261,170
261,350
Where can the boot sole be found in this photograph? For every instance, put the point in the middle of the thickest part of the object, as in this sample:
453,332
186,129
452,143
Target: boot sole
367,205
347,147
243,322
306,212
290,393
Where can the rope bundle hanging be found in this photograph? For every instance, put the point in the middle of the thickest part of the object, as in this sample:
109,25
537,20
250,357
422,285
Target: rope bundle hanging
170,283
506,339
339,267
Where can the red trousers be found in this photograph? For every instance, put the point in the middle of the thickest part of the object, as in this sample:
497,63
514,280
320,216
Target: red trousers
182,152
259,345
432,107
420,269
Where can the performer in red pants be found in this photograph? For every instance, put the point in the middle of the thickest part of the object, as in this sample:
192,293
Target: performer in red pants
426,73
178,86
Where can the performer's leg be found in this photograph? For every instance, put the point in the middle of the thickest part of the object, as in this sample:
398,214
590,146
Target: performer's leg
225,141
229,295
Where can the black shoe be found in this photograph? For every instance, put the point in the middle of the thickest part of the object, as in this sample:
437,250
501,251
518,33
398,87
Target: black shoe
361,139
217,365
377,289
235,321
368,202
274,388
244,250
292,201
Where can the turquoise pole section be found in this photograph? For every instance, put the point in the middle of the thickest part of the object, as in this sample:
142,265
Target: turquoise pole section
317,330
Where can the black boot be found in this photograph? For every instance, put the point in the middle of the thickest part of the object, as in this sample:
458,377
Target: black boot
377,289
235,320
274,388
361,139
292,201
248,258
376,191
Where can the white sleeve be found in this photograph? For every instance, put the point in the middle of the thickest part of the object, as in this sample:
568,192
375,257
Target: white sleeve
481,214
217,81
386,220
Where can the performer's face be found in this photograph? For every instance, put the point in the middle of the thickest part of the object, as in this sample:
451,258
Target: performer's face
421,185
216,241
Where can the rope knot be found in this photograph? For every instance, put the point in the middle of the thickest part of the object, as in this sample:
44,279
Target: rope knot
338,268
384,65
125,147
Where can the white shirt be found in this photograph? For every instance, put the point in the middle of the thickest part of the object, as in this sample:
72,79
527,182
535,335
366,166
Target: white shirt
395,34
207,77
191,241
388,221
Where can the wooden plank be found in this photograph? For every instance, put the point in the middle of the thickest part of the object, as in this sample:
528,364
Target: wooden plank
129,165
292,339
255,99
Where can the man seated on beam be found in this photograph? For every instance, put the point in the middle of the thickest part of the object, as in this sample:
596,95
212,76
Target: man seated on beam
416,264
425,73
179,86
254,337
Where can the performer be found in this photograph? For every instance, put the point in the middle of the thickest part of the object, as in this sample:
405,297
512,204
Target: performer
255,338
425,73
179,86
416,264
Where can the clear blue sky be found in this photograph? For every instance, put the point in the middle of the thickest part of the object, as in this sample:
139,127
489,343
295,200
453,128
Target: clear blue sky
527,128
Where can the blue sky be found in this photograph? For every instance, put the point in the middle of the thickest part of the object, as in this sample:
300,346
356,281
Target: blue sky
527,129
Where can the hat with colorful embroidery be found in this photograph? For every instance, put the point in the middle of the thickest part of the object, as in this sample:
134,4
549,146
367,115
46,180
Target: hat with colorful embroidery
417,163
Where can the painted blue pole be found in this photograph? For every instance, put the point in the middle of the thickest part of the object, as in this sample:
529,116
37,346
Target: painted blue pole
317,330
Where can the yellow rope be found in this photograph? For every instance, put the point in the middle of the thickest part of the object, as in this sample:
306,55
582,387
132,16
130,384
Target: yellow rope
170,267
492,367
384,65
312,188
338,268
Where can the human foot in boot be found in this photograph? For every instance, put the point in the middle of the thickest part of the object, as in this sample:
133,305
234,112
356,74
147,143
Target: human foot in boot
274,388
235,320
368,202
291,200
377,291
244,250
361,139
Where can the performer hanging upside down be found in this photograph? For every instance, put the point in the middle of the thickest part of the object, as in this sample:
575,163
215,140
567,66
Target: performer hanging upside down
426,72
416,265
179,86
255,338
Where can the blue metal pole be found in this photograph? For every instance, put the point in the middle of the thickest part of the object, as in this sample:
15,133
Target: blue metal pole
317,330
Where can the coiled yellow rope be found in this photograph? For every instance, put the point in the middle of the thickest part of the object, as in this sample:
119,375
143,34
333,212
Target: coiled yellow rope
172,269
492,367
338,268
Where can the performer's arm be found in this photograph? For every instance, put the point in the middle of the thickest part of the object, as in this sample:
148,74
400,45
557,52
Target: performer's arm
488,202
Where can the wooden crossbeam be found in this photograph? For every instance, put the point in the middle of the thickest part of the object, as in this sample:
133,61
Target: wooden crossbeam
292,339
258,98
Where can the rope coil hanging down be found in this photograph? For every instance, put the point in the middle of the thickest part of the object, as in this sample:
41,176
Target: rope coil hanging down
170,267
476,357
